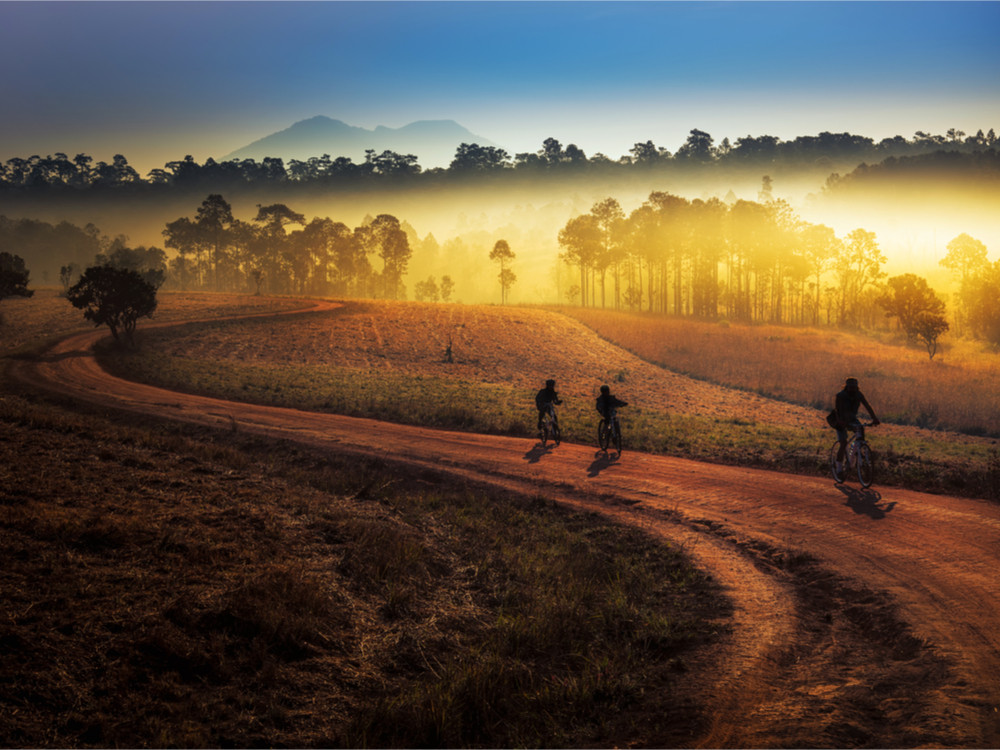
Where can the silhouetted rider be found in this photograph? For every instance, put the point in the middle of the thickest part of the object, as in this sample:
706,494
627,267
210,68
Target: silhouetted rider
845,413
545,397
606,403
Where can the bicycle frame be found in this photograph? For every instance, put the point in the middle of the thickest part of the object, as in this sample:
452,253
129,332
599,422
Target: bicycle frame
550,414
609,431
550,425
857,458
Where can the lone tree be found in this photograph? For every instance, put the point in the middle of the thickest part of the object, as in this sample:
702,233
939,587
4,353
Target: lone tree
447,287
919,310
116,297
966,259
928,327
66,276
427,290
13,277
907,296
502,254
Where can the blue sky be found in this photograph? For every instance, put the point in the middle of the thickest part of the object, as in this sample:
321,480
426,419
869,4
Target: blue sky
156,81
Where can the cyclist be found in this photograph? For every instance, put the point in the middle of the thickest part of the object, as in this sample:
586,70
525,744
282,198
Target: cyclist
606,404
545,397
845,416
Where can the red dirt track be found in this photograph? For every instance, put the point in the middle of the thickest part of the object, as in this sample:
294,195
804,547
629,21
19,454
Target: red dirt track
784,671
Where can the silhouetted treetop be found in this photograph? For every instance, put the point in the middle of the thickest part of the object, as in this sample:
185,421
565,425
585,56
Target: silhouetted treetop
58,172
899,171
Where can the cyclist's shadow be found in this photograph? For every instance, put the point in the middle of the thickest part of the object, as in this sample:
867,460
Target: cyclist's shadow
602,460
866,502
537,451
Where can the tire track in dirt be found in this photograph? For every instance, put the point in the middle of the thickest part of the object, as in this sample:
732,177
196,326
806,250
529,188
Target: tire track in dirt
935,558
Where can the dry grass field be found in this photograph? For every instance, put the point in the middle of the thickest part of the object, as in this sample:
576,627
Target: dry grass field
47,314
957,391
168,586
388,360
514,347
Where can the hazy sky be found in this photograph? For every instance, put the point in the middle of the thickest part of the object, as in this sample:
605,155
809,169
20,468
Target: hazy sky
155,81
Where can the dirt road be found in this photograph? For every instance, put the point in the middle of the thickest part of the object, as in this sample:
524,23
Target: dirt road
863,618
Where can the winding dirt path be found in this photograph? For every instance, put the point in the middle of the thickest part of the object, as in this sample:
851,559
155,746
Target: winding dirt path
862,618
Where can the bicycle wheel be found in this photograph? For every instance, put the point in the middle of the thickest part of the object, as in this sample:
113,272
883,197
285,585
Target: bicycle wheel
616,431
866,468
838,476
602,435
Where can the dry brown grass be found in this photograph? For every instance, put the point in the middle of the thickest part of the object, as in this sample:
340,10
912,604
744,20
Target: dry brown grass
957,391
163,587
165,598
387,360
516,347
47,314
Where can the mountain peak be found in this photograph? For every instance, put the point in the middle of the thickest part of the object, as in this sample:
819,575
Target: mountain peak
433,142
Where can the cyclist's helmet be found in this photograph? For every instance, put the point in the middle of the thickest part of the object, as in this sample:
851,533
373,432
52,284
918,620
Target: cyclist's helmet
851,382
605,390
550,384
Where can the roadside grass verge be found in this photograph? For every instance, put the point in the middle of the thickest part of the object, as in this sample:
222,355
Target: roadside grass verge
932,465
166,588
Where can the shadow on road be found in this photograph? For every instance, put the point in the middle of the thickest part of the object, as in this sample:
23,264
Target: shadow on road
602,460
866,502
537,451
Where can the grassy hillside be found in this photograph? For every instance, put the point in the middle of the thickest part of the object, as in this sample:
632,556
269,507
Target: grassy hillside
954,392
163,587
389,360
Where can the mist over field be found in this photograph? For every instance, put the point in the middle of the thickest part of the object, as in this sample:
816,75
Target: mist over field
453,224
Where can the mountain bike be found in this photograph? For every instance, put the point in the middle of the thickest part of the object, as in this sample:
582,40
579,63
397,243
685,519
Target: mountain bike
857,458
609,432
550,426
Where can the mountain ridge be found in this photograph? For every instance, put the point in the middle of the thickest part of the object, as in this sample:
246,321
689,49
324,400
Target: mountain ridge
433,142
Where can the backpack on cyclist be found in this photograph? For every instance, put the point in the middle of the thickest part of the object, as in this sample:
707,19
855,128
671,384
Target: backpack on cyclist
833,419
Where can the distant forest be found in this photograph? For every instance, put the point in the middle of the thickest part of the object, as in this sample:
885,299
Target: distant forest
709,258
749,261
60,174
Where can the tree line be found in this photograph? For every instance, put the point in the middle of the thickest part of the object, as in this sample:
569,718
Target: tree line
748,261
756,261
217,251
61,172
278,251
